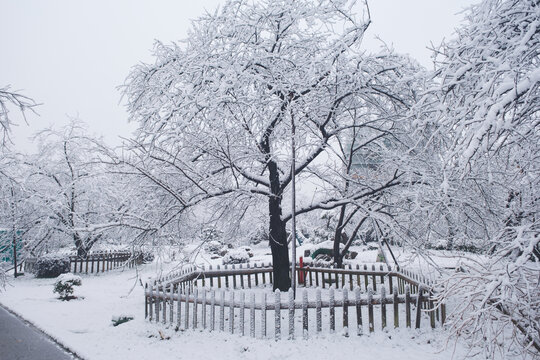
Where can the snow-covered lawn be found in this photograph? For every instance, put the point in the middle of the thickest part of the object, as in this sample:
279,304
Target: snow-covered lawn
85,327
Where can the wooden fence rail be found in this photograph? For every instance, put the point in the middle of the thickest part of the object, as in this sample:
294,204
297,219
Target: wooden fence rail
191,298
248,276
95,262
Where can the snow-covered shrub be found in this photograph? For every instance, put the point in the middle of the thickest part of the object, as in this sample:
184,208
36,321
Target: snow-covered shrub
213,246
247,249
210,234
51,267
236,256
63,286
258,236
117,320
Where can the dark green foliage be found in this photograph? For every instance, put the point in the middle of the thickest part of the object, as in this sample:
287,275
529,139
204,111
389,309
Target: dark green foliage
64,286
51,267
117,320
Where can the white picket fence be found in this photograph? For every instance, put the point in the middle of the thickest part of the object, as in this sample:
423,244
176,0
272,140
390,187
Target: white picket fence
191,300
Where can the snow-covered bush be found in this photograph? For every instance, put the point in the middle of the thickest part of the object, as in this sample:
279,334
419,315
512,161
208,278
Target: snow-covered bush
236,256
118,320
247,249
51,267
145,257
259,235
210,234
63,286
213,246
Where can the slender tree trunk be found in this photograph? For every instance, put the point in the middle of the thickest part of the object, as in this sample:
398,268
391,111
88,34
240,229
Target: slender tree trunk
338,258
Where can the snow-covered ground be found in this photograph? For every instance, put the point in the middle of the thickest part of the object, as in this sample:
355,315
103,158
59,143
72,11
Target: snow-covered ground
85,326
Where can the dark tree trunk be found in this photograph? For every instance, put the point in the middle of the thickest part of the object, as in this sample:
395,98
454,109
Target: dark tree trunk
338,258
278,233
279,247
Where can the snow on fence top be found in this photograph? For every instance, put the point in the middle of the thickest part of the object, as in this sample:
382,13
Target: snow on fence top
200,292
94,262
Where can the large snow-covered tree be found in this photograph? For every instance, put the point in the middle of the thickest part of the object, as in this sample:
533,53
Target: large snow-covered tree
217,108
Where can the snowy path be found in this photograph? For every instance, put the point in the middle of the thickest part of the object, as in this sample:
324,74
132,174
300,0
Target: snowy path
22,341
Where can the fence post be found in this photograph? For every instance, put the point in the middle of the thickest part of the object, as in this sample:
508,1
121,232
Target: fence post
195,301
178,307
241,277
150,298
374,278
291,313
222,311
234,278
146,301
186,310
345,312
431,310
408,305
157,303
358,303
443,313
383,307
318,314
256,275
332,310
396,306
212,309
231,312
419,306
305,320
277,312
370,310
366,279
242,311
171,309
252,316
249,278
203,315
218,279
263,316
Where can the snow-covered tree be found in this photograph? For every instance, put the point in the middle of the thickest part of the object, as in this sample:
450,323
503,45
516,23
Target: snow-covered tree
8,186
76,200
10,98
489,111
215,110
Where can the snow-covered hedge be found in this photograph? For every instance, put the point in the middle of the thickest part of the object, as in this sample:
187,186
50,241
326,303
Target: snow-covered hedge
51,267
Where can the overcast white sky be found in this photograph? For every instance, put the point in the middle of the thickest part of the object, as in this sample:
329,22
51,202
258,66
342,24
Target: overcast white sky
71,55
